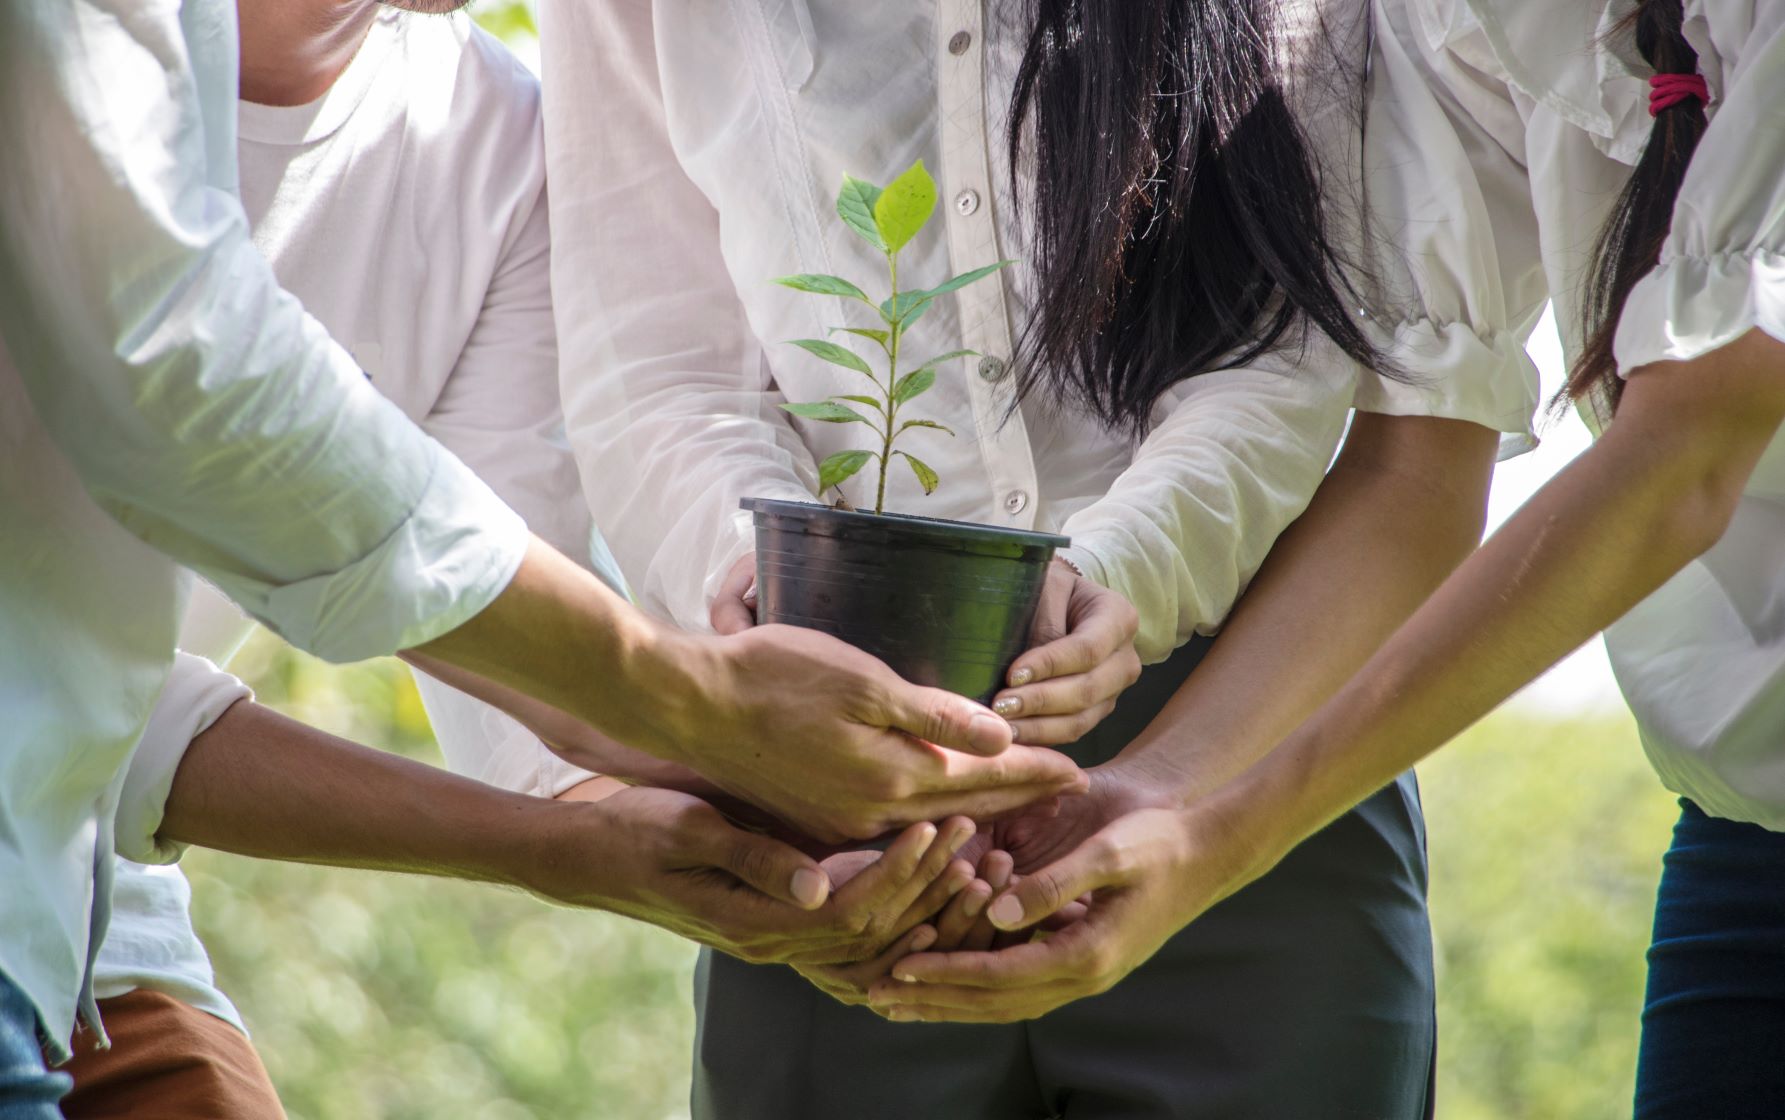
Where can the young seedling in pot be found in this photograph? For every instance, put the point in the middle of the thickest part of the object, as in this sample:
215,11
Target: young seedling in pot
886,218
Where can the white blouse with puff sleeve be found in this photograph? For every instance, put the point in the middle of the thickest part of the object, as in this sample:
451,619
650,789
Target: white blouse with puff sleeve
1550,87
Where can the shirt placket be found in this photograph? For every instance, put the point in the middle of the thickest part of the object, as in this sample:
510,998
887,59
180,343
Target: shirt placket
970,206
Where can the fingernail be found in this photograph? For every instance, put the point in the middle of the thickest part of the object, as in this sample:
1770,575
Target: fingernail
1007,912
961,837
901,1015
974,904
904,978
1008,705
809,886
750,593
923,939
1021,677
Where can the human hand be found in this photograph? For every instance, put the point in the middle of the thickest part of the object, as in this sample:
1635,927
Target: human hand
1122,876
672,860
734,607
1082,660
834,742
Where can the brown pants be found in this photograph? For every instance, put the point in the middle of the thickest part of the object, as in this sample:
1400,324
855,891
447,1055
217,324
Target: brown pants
168,1061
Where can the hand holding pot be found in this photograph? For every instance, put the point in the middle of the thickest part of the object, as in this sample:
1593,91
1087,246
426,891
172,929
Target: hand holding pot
835,743
1082,660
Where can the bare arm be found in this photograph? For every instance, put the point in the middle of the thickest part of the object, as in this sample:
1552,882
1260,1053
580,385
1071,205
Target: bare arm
1404,504
1653,494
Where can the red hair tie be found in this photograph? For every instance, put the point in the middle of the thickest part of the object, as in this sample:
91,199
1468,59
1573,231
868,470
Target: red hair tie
1668,90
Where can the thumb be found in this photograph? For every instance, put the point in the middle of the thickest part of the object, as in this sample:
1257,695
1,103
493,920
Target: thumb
1046,892
947,720
778,870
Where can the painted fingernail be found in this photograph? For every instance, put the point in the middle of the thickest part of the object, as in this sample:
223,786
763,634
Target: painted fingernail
1021,677
809,886
1008,705
1007,912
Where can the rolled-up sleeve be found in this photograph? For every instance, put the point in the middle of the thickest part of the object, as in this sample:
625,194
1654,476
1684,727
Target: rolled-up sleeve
1454,241
199,404
196,695
1722,270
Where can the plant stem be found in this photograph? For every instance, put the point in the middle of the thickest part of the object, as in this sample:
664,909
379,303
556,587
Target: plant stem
892,384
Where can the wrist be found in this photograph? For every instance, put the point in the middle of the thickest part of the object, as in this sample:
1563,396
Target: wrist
561,851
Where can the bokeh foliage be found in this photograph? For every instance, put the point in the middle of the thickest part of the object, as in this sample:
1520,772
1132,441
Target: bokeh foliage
384,996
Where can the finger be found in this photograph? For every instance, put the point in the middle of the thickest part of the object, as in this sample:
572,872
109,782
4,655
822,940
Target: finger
942,718
1051,611
1105,623
988,805
968,1005
1019,766
778,870
1057,731
871,888
951,836
962,915
856,976
1070,693
996,871
1064,956
1039,894
734,606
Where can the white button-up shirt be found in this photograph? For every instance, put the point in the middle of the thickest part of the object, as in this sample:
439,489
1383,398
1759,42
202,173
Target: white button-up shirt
162,389
694,152
1550,104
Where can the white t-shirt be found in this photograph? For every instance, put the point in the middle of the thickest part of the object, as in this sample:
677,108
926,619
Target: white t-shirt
1549,105
406,209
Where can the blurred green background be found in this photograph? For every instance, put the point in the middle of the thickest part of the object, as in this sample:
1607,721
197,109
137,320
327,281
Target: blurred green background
399,998
384,996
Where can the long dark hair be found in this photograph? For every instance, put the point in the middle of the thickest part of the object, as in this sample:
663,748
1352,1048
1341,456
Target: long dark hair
1176,221
1631,245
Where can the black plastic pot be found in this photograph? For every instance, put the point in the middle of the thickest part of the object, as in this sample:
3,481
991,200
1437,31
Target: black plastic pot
945,603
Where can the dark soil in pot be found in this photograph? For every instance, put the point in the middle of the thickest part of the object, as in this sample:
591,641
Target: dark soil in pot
945,603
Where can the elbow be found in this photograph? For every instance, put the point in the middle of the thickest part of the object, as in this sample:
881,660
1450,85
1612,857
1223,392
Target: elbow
1701,512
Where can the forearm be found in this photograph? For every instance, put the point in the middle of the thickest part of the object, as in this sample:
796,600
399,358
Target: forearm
567,736
1625,517
259,784
1404,504
561,637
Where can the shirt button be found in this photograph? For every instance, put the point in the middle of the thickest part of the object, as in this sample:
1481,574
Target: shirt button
1015,501
990,368
959,42
967,202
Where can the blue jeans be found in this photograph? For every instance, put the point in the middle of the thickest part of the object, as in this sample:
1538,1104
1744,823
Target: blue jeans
1713,1023
28,1091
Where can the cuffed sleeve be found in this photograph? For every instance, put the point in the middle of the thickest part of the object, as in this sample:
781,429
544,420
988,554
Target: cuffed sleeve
1722,270
1235,457
1454,238
196,695
200,406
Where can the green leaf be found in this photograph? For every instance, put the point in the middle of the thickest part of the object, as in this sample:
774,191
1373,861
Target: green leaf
834,354
821,285
966,278
949,357
905,308
904,206
865,332
869,401
855,205
839,467
922,424
926,477
828,411
913,383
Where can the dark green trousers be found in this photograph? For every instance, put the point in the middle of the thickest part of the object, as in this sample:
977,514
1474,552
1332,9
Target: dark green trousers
1306,996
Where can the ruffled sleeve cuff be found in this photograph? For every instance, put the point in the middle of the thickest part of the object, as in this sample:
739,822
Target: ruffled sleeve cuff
1457,374
196,695
1690,306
